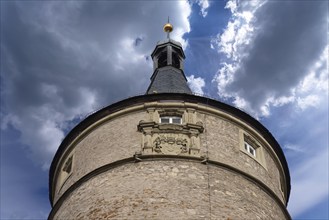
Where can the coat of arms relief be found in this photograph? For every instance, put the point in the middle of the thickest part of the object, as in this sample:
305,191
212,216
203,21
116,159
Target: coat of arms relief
171,139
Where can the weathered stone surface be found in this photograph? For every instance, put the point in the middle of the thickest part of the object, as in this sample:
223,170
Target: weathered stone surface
175,189
169,190
114,140
221,140
235,197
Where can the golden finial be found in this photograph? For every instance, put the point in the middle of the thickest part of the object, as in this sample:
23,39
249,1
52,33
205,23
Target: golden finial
168,28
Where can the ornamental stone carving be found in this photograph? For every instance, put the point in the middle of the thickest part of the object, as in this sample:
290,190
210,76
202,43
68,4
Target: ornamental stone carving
171,144
172,139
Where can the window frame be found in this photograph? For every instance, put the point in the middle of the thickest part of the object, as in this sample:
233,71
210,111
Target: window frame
171,119
258,147
250,149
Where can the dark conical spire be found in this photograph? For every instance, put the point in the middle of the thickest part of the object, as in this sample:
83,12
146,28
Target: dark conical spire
168,75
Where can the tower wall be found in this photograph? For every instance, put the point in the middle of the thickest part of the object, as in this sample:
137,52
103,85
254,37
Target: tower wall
169,190
113,139
126,164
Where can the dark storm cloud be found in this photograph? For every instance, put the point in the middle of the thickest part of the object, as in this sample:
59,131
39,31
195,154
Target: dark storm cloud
38,56
289,36
61,60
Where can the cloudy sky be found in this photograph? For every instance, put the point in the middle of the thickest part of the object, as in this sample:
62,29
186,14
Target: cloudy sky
61,60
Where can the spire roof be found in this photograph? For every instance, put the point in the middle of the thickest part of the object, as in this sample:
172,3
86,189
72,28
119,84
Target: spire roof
168,80
168,76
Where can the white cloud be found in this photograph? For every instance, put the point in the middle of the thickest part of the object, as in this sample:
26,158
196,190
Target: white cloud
314,86
204,5
293,147
239,30
127,47
184,11
224,77
308,101
265,67
280,101
196,84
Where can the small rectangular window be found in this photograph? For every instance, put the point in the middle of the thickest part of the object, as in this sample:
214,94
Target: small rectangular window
164,120
170,120
250,149
176,120
250,146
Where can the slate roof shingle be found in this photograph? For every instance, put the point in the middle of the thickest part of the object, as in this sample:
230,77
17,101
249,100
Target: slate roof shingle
168,79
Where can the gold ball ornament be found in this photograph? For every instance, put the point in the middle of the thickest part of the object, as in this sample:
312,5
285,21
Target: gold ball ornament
168,27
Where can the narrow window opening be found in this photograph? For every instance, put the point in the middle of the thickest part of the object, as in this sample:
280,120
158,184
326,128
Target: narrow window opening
162,59
175,61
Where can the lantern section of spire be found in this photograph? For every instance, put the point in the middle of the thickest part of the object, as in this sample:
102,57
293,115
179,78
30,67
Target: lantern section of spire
168,67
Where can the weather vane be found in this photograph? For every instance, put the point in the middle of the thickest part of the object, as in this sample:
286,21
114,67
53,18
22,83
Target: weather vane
168,28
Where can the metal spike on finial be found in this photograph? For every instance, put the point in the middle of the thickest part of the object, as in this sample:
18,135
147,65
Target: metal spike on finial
168,28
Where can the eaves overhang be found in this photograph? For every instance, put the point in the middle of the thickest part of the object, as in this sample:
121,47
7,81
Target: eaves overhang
168,42
137,100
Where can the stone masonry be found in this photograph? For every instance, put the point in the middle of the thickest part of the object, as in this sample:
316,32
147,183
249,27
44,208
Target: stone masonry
197,191
234,186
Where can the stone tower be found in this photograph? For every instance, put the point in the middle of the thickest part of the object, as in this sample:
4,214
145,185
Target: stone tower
169,154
